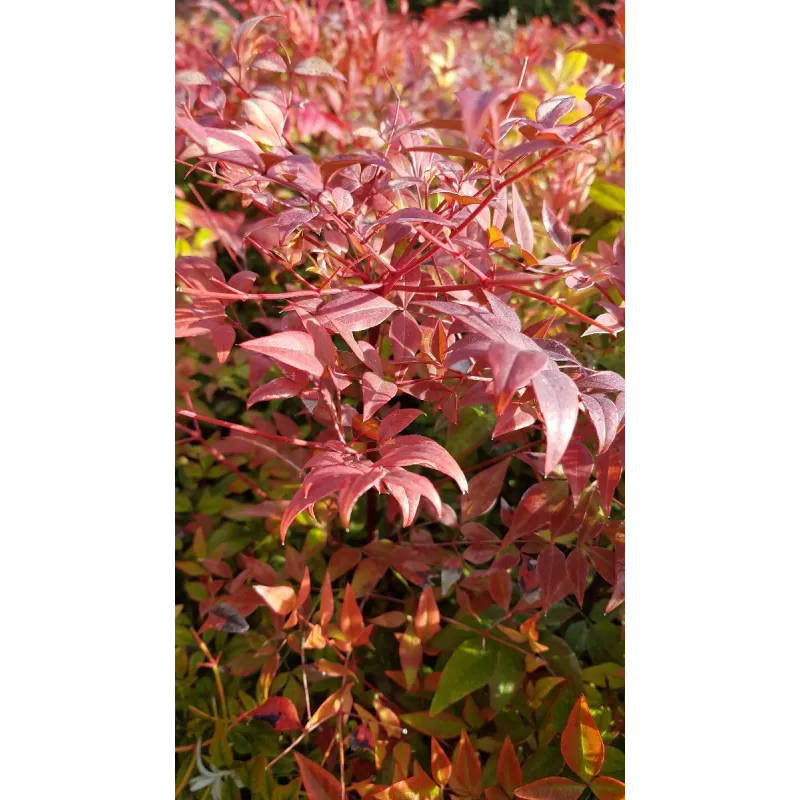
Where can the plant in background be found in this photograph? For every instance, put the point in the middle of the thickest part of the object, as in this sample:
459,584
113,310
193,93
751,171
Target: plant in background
399,404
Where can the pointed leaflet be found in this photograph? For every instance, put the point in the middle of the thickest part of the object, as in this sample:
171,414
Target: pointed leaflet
551,789
351,622
549,112
396,421
277,389
318,782
407,450
618,595
223,337
357,486
475,110
426,620
577,571
316,67
605,788
293,348
581,744
405,336
552,570
440,764
523,229
604,416
377,393
608,469
556,229
280,712
418,787
466,777
483,490
534,509
354,311
509,772
467,670
557,396
410,656
512,369
419,215
577,463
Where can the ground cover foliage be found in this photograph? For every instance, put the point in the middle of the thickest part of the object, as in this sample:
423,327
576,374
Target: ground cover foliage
400,547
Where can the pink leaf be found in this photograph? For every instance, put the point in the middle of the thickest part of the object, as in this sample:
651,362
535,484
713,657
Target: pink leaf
415,215
315,67
407,450
556,229
358,486
606,381
293,348
475,110
514,418
512,369
523,229
354,311
557,396
396,421
526,148
603,415
577,463
377,393
483,490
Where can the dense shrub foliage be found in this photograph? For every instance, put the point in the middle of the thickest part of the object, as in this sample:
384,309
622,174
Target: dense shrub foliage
399,404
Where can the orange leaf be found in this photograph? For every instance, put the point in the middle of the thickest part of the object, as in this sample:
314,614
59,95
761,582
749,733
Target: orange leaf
281,599
350,620
466,779
420,787
391,619
509,772
315,639
326,602
483,490
581,745
605,51
606,788
426,621
340,699
440,764
551,789
318,782
410,655
279,712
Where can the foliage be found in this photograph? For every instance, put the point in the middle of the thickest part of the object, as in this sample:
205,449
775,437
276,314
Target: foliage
400,404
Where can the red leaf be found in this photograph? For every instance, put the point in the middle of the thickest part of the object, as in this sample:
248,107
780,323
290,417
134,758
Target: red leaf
618,595
483,490
557,396
603,561
577,570
581,743
552,569
357,486
608,469
577,463
475,110
512,369
604,416
407,450
318,782
354,311
606,51
556,229
509,772
293,348
405,336
377,393
279,712
523,229
396,421
534,509
606,788
499,586
551,789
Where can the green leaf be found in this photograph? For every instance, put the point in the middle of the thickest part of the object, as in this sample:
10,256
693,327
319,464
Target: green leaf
544,762
469,668
608,196
507,677
562,660
443,726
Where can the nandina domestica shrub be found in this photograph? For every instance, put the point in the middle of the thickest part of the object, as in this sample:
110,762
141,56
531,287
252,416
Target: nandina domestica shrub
400,407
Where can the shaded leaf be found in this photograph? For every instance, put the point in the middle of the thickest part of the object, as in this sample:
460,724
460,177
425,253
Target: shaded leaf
581,743
483,490
550,789
468,669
